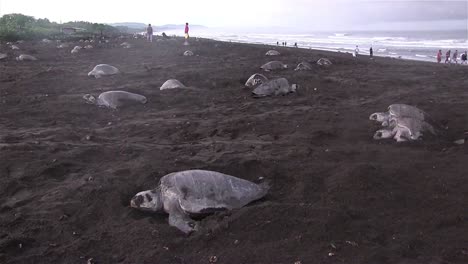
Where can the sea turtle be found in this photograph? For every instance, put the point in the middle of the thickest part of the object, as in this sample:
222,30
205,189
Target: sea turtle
272,53
25,57
3,56
103,69
324,62
88,47
46,40
115,99
14,47
303,66
197,193
255,80
171,84
278,86
62,46
405,129
399,110
273,65
188,53
75,50
126,45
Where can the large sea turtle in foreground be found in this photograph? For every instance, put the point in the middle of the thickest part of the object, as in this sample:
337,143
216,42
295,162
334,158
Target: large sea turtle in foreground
255,80
3,56
115,99
103,69
197,193
279,86
273,65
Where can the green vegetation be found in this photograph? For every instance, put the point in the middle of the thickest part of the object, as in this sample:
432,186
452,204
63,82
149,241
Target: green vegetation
17,26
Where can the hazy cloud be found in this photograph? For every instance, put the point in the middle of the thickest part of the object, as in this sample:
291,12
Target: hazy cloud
300,14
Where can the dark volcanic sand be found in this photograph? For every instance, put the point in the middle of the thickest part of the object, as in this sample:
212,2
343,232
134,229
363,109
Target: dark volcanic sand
65,199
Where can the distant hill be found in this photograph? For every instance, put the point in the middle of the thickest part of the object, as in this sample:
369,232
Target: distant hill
176,27
132,25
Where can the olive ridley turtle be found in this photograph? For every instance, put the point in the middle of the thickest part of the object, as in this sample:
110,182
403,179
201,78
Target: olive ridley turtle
324,62
278,86
255,80
404,122
303,66
25,57
188,53
171,84
399,110
115,99
126,45
405,129
3,56
272,53
191,193
273,65
103,69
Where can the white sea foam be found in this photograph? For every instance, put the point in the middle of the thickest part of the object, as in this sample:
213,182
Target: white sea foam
419,48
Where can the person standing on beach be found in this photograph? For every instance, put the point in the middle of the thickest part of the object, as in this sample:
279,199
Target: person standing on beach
464,58
455,56
186,31
447,56
371,52
439,56
149,33
356,51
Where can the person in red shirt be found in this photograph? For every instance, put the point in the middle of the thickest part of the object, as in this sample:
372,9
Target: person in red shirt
186,31
439,56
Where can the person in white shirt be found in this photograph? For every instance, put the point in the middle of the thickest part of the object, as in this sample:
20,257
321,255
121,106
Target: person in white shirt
356,51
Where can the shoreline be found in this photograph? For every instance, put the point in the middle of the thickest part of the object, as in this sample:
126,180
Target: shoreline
416,57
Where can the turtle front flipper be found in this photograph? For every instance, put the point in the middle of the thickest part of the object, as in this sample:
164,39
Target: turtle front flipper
178,219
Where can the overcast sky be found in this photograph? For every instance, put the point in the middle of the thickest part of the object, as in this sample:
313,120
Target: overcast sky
299,14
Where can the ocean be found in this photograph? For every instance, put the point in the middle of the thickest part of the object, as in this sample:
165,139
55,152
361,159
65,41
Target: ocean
413,45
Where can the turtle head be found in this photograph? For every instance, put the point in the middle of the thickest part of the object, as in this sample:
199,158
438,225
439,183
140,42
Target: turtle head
147,201
380,117
89,99
383,133
294,87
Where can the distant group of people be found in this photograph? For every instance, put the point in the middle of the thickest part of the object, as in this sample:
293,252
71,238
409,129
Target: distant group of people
356,52
449,59
284,43
149,33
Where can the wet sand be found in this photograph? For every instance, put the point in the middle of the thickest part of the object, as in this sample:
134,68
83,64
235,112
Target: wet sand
68,169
